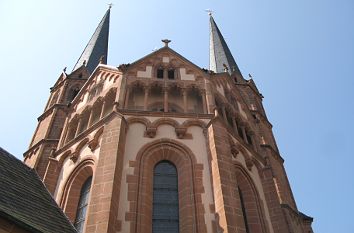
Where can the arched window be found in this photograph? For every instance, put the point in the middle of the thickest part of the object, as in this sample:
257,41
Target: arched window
250,203
159,73
165,215
243,209
82,206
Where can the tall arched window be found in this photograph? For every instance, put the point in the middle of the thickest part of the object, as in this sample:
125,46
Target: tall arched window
82,206
243,207
165,215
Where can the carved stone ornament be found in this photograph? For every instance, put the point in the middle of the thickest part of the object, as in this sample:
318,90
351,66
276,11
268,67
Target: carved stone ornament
181,132
249,163
234,151
151,132
116,106
93,144
74,156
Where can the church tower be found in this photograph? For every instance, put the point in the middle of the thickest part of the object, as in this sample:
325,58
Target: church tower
162,145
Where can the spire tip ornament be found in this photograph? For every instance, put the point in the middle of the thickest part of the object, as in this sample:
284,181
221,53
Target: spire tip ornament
166,41
210,12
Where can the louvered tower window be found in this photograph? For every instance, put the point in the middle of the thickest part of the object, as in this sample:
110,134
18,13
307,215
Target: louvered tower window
82,206
165,216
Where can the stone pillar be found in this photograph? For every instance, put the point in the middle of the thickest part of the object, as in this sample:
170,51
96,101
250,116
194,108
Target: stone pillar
127,98
51,175
228,209
89,123
78,126
146,97
64,132
243,129
165,99
107,180
224,113
185,103
102,109
277,215
234,125
203,93
252,141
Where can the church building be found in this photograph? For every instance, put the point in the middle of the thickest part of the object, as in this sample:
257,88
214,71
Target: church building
162,146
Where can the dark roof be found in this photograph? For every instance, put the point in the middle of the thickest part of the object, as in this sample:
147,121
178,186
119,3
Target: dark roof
220,53
96,47
25,201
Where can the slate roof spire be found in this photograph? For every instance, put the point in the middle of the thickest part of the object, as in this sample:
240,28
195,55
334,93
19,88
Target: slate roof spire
220,56
97,48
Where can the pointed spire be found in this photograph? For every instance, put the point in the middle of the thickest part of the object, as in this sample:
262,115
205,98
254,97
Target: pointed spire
221,59
97,47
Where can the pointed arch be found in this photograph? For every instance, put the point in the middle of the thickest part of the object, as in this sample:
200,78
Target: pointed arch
189,189
71,191
252,207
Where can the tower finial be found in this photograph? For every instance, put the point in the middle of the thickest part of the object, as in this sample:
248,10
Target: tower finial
210,12
166,41
110,5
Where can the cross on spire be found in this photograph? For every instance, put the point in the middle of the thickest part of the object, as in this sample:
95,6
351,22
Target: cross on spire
166,41
210,12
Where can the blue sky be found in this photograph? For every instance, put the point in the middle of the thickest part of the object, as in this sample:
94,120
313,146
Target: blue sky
300,54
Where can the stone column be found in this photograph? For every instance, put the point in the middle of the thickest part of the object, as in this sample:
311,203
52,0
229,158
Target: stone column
68,132
78,126
100,112
64,132
107,180
127,98
234,125
253,141
203,93
165,99
89,123
228,206
146,97
102,109
185,103
243,129
224,113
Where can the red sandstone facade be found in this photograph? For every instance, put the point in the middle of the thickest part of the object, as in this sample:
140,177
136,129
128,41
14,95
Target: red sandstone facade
123,121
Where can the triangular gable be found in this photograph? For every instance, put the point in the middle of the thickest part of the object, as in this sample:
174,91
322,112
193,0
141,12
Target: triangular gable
61,78
162,51
100,68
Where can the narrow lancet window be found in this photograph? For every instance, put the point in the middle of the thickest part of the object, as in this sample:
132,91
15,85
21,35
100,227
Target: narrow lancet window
243,210
171,74
165,216
160,73
82,206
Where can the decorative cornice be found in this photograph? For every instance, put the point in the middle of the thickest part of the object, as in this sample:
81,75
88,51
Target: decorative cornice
165,114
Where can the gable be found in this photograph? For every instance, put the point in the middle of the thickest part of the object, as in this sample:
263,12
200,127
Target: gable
103,79
165,58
